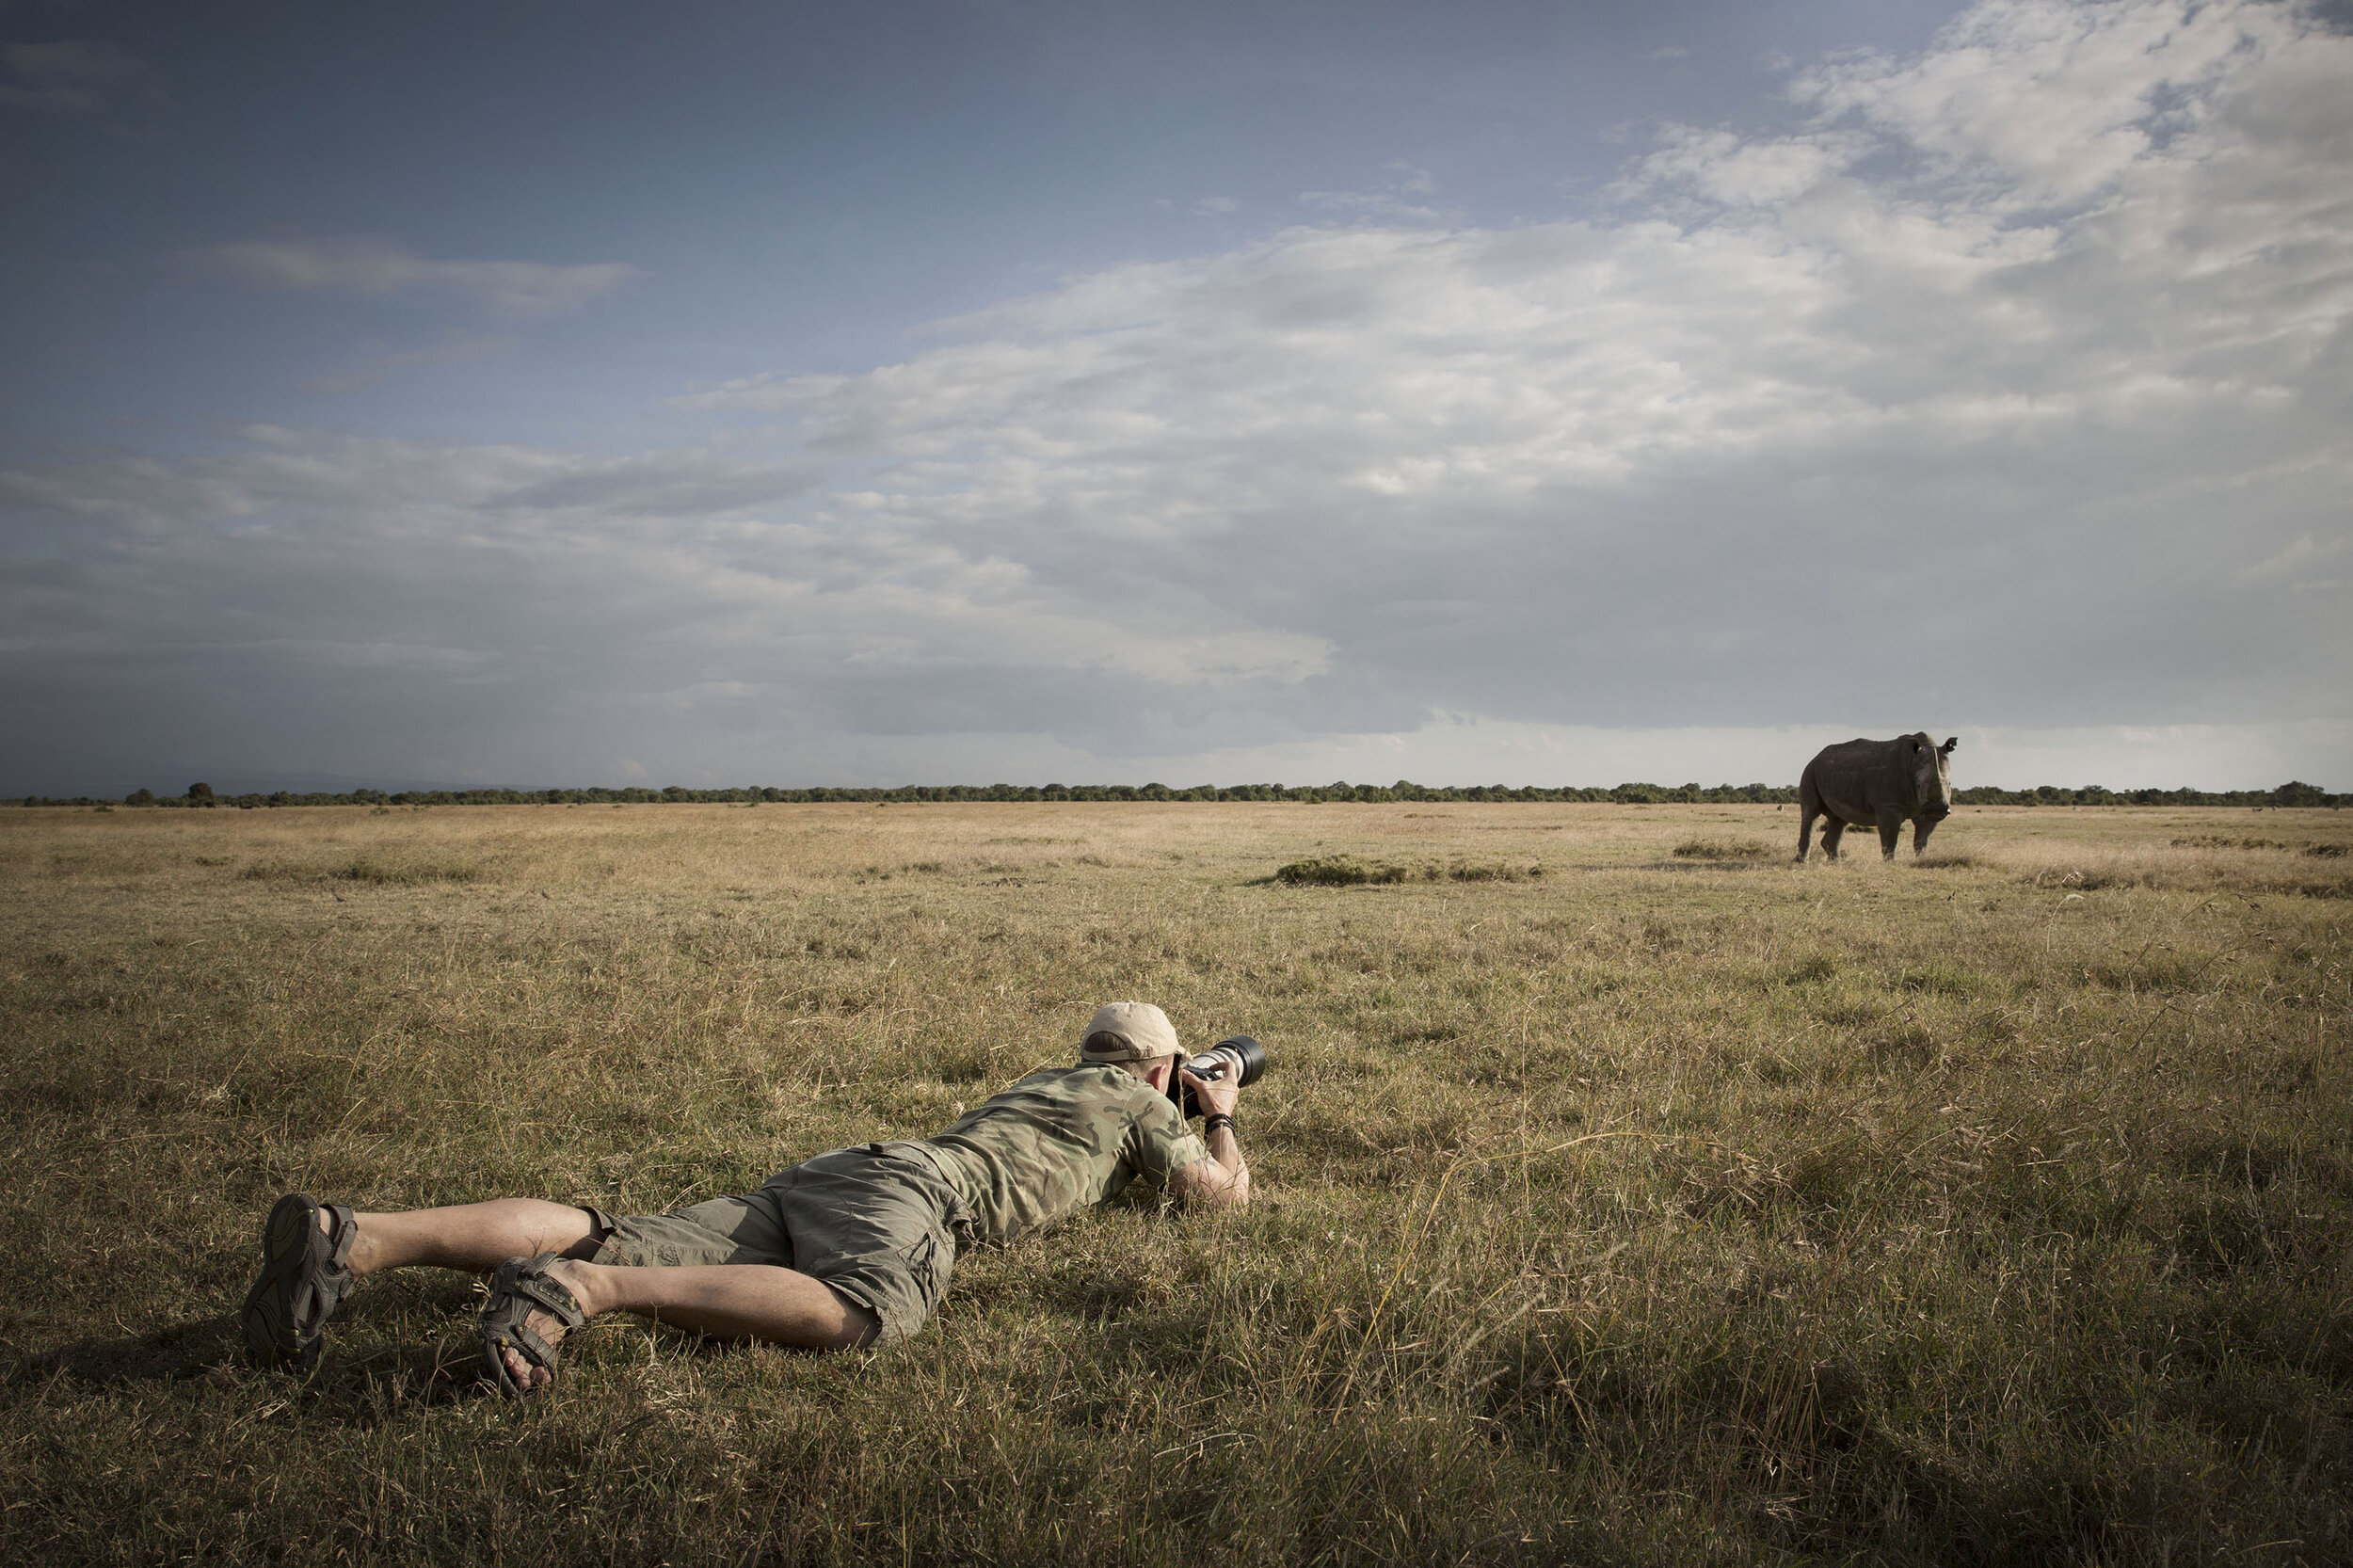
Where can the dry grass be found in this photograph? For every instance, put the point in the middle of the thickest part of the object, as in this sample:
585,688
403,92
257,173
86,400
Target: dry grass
1991,1207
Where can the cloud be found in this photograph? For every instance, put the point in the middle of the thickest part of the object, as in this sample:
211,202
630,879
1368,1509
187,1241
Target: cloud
1900,419
1723,167
1392,202
73,76
1213,206
374,269
456,349
1407,178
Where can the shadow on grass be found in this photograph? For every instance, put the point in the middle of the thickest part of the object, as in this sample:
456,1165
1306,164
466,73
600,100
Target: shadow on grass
170,1354
211,1350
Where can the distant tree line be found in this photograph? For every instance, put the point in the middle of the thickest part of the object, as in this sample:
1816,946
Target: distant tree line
2293,792
2290,793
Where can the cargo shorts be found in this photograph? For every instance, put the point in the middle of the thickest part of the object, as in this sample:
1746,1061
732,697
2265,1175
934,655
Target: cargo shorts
875,1223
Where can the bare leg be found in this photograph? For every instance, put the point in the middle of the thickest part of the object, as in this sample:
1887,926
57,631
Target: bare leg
729,1301
726,1301
472,1236
736,1300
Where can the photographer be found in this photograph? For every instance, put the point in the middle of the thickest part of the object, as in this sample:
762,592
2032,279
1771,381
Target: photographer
836,1252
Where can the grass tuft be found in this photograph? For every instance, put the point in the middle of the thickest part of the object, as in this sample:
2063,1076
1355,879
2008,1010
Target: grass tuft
1347,870
1494,871
377,870
1724,849
1341,870
408,874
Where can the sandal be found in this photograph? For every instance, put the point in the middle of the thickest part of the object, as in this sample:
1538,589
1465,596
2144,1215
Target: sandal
519,1287
306,1272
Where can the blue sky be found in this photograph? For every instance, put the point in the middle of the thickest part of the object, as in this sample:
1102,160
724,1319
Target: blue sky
1544,394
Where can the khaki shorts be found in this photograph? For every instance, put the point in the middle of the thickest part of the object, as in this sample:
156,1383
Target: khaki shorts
877,1224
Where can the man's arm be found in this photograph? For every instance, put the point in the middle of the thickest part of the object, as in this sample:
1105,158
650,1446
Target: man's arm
1223,1180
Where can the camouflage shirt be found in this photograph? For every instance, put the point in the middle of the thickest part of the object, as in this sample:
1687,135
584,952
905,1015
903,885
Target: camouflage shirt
1057,1141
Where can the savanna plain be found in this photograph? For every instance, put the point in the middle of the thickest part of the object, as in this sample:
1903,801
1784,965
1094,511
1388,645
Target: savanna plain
1626,1193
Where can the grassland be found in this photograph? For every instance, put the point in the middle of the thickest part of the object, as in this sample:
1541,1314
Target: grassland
1621,1200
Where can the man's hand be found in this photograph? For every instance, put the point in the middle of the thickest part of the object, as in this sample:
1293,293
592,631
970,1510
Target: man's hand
1223,1180
1216,1096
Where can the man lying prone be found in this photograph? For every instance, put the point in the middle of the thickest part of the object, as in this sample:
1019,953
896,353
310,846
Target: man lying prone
835,1253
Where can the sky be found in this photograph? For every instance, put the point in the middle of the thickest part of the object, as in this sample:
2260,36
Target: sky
965,390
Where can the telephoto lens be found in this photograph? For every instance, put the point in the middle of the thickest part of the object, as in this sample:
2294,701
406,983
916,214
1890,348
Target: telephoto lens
1236,1059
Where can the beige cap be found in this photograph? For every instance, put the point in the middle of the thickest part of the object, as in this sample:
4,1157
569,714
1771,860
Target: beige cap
1144,1030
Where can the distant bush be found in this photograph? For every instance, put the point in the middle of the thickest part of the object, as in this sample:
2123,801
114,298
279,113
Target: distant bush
1499,871
1347,870
2223,840
1724,849
1339,870
366,870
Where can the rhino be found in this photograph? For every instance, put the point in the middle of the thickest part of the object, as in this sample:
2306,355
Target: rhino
1881,782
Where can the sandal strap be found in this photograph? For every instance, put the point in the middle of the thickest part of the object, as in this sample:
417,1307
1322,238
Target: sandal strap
533,1283
516,1285
553,1298
535,1349
342,1230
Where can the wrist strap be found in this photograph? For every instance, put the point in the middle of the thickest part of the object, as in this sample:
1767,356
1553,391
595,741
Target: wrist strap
1218,1119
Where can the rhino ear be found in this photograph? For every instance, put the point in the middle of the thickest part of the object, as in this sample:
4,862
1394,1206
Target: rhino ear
1950,741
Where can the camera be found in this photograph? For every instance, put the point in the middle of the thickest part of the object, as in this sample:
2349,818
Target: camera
1238,1058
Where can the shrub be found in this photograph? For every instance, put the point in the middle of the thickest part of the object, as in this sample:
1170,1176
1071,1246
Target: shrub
1496,870
1347,870
1724,849
1339,870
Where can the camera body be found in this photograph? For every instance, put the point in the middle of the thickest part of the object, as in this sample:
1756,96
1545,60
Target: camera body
1237,1058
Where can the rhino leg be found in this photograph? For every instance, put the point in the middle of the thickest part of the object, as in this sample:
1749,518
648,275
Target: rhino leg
1833,829
1920,831
1891,823
1805,836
